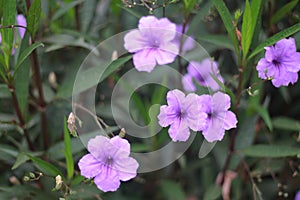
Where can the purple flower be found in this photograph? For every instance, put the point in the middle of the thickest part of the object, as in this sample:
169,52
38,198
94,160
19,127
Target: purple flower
182,113
202,73
152,43
109,162
281,63
219,118
297,197
188,43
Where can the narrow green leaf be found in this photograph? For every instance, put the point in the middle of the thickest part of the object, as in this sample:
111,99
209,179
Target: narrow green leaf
65,9
227,20
1,8
271,151
22,76
4,91
33,17
272,40
22,158
9,18
68,151
283,11
26,53
45,167
219,40
247,28
263,112
86,14
285,123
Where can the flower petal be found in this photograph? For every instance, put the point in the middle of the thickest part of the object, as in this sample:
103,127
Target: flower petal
220,102
121,145
98,147
166,116
230,120
144,60
89,166
134,41
179,131
187,82
165,55
214,131
21,21
126,168
107,180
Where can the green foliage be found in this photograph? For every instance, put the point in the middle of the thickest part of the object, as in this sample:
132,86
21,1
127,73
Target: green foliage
283,11
33,18
68,151
171,190
271,151
46,167
272,40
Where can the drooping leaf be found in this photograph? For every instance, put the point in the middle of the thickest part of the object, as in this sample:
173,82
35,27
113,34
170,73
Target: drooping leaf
45,167
285,123
33,17
271,151
283,11
275,38
68,151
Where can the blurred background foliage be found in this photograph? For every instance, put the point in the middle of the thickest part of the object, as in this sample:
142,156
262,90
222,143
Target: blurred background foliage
70,29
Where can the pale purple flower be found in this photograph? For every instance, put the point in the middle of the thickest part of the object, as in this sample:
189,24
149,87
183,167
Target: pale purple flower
281,63
152,43
182,114
203,73
297,197
218,118
109,162
188,42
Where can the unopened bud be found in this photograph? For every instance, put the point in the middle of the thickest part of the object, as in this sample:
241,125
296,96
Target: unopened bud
122,132
58,182
72,124
31,175
14,180
26,178
52,79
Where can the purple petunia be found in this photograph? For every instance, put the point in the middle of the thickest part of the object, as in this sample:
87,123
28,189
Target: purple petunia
109,162
182,113
281,63
219,118
202,73
152,43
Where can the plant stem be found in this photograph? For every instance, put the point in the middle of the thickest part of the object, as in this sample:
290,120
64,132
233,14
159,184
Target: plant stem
20,116
41,100
181,45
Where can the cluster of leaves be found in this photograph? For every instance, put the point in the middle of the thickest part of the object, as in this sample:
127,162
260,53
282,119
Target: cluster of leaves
35,145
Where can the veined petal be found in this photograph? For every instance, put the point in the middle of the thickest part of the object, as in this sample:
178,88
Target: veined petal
187,82
175,98
166,118
214,131
107,180
164,57
179,131
89,166
144,60
98,147
134,41
220,102
121,145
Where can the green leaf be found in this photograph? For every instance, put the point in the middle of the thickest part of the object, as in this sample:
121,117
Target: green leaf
33,17
45,167
247,29
22,158
68,151
271,151
189,5
283,11
4,91
26,53
272,40
219,40
1,8
9,18
285,123
213,192
263,112
86,14
227,20
171,190
65,9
